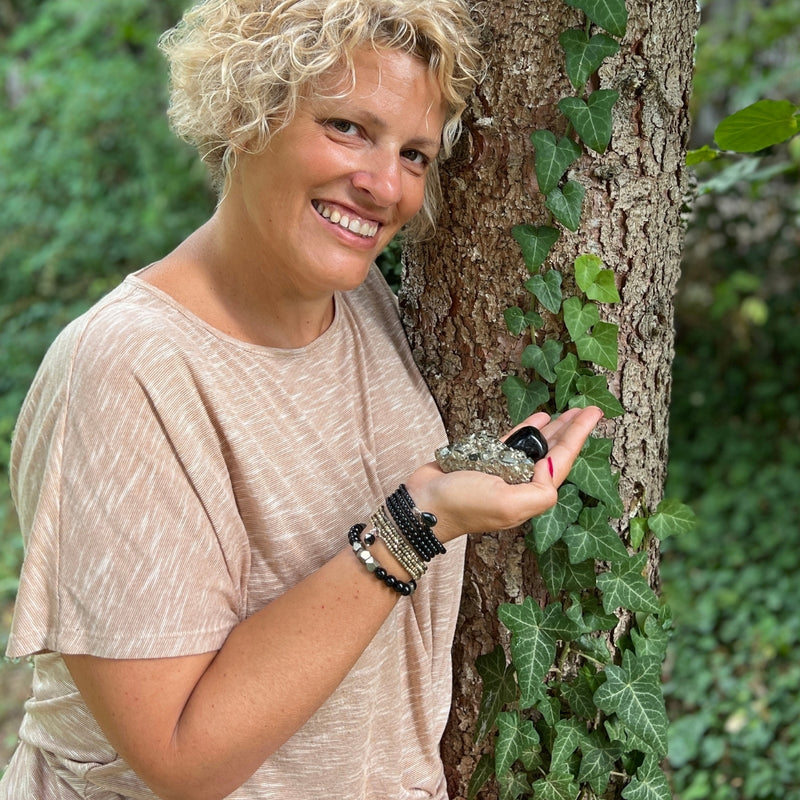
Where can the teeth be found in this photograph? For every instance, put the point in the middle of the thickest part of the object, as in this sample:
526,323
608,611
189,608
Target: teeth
362,228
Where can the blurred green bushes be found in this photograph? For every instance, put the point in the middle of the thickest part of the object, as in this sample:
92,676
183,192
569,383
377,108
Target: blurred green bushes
733,674
94,185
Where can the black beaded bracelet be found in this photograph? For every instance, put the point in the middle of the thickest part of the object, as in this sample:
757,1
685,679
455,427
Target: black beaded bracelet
373,565
425,519
405,523
415,525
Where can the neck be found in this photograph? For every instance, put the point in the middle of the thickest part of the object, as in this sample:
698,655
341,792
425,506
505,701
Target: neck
229,289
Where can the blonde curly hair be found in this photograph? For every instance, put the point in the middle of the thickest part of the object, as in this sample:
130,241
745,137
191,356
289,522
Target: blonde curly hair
239,67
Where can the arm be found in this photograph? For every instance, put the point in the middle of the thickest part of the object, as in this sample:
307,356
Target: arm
198,726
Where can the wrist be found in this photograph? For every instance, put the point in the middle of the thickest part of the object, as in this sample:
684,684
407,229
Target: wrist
422,487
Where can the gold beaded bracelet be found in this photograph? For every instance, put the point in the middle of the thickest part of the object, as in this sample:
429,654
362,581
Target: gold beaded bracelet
397,545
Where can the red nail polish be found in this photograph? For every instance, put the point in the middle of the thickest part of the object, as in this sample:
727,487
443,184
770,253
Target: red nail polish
550,466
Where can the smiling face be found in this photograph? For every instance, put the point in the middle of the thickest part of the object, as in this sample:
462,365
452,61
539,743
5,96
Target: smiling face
312,212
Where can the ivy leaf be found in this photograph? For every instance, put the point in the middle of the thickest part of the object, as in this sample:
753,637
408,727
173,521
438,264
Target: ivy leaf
509,746
556,786
483,771
547,289
530,748
579,697
596,283
534,634
567,374
513,784
638,527
594,392
600,346
587,268
550,709
524,398
553,567
626,587
579,318
567,741
543,359
633,693
585,55
566,204
558,573
518,320
671,518
649,783
757,126
604,289
578,577
594,647
588,615
654,640
599,756
591,473
594,538
547,528
592,118
610,15
553,158
499,688
579,694
535,243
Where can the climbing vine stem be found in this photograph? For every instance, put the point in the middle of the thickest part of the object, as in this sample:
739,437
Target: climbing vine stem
562,729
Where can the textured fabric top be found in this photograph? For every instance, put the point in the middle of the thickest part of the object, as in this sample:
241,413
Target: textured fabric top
171,480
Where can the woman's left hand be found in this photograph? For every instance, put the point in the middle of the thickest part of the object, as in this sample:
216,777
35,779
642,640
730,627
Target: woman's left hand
472,502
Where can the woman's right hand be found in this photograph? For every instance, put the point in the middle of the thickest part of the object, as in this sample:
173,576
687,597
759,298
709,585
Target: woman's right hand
472,502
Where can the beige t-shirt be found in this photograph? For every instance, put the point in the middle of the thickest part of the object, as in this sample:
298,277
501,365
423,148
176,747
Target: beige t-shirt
171,480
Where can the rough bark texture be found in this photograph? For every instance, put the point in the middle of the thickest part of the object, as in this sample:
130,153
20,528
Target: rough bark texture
457,285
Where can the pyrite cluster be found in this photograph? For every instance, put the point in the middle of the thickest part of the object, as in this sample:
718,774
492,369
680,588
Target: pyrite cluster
485,453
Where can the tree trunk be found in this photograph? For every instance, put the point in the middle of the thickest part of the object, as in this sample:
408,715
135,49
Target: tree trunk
457,285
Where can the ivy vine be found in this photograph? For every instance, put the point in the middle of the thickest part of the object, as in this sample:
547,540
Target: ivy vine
560,732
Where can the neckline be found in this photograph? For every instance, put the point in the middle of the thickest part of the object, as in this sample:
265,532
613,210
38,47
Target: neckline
135,279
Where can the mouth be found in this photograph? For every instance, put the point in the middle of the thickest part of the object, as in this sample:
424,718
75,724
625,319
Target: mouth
357,225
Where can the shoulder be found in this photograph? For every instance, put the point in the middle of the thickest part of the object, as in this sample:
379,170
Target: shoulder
128,340
129,334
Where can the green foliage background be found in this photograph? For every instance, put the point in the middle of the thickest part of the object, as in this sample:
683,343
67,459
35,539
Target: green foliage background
95,186
733,676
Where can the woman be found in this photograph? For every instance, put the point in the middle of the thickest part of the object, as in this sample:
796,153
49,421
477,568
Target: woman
199,454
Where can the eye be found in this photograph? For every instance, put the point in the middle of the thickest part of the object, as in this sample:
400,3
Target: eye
416,157
342,126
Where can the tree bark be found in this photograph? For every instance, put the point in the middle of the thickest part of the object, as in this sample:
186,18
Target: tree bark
457,285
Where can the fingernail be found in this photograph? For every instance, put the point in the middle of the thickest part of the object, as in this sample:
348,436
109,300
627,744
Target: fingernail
550,466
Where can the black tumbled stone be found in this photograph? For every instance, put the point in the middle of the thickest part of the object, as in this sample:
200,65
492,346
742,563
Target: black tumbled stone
530,440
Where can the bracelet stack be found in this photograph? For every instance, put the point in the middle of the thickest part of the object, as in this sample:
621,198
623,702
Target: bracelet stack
408,535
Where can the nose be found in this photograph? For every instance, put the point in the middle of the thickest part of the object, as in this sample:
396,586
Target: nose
381,177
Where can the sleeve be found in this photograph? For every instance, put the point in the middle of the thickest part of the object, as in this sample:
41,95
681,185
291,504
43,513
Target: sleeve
133,544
